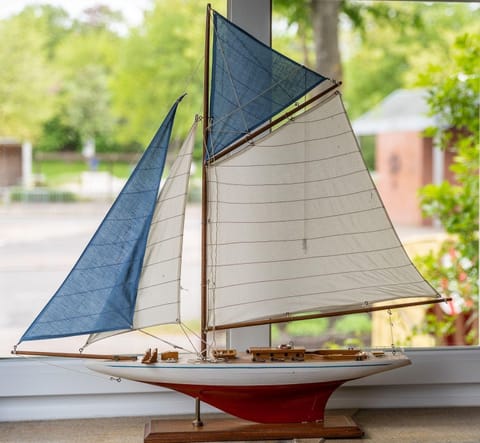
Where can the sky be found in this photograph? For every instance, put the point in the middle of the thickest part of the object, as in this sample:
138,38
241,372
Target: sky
132,9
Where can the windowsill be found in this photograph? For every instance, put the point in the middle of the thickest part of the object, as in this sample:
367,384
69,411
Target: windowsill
47,388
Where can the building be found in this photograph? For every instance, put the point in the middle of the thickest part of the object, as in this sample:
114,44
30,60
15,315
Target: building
10,162
405,158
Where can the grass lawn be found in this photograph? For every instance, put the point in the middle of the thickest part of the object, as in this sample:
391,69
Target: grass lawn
58,172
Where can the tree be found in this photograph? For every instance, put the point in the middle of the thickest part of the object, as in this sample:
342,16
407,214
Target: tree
454,99
159,61
88,107
26,81
381,42
85,58
319,20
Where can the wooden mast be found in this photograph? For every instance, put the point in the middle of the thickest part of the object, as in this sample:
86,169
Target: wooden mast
206,80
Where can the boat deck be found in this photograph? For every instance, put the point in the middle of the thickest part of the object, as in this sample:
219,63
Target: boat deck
460,425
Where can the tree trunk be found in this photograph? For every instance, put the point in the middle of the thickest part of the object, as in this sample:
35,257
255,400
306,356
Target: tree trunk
325,33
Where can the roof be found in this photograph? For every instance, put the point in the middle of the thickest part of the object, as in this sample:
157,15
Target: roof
403,110
5,141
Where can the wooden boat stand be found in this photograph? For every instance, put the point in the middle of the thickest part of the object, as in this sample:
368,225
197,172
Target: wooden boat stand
234,429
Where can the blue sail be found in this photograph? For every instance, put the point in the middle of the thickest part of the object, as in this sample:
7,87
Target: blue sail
99,293
251,83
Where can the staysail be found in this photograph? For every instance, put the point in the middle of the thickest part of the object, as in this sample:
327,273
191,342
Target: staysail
100,291
296,225
250,84
158,294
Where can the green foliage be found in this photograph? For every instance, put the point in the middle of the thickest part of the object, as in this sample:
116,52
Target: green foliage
26,79
347,331
454,92
395,43
58,136
307,328
367,144
355,325
159,61
88,108
59,172
48,58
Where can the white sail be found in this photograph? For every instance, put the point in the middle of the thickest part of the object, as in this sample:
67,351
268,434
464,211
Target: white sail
297,225
158,295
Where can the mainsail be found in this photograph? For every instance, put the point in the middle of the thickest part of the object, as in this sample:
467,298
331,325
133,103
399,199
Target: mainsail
100,292
296,225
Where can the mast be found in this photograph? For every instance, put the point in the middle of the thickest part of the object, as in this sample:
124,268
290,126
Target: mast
206,80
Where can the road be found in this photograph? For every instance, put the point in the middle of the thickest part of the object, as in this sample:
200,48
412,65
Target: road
39,243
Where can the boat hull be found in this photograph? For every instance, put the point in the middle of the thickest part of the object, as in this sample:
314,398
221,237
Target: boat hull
270,392
266,404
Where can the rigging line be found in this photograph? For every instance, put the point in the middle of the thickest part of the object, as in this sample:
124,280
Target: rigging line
247,222
349,272
304,200
277,184
164,199
213,250
259,65
179,163
102,288
163,240
232,148
159,284
48,362
166,341
265,92
76,317
383,288
161,220
390,321
293,120
262,145
241,107
293,240
230,77
304,141
193,74
399,246
183,327
161,305
252,165
305,188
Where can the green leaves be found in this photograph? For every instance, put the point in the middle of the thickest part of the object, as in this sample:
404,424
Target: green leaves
26,79
454,99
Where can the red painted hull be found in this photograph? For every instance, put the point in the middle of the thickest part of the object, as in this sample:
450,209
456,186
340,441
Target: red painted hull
295,403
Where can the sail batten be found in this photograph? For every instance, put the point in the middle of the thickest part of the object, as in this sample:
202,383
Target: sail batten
318,238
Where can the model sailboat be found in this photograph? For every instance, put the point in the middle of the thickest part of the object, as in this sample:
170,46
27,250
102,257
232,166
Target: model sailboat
294,228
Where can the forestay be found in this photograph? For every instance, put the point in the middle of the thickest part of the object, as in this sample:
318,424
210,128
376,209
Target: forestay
296,225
